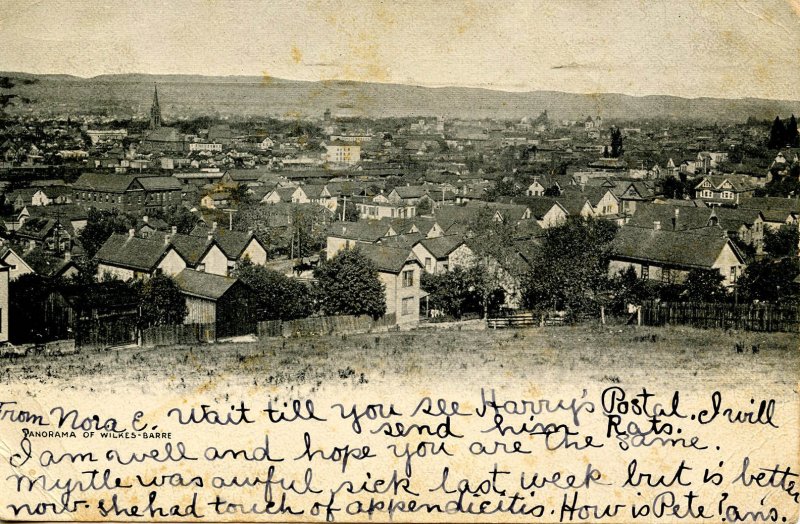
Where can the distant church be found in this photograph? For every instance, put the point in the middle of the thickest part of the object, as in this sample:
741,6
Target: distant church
159,138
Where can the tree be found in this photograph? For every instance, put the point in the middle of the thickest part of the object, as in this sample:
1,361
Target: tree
792,136
276,296
704,285
348,284
455,292
781,243
179,217
672,187
351,213
606,153
424,206
161,302
777,134
8,83
768,279
570,269
100,225
27,295
617,149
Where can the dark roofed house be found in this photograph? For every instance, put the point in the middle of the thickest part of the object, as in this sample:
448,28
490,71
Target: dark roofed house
668,256
444,253
128,257
128,193
216,299
236,245
399,271
344,235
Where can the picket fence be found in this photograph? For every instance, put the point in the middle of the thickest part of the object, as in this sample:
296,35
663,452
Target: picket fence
178,334
747,317
339,324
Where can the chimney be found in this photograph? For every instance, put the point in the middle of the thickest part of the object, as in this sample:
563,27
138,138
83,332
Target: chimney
174,230
67,256
166,239
213,226
210,236
131,233
145,219
583,186
656,225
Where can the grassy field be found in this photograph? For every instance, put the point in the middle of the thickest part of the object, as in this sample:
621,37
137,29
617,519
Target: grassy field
589,355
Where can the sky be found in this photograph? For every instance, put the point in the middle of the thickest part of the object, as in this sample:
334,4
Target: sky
722,48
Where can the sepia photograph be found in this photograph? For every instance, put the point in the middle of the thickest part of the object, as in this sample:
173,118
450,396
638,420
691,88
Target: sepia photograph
365,260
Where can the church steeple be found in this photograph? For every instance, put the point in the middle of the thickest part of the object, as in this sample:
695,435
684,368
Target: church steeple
155,110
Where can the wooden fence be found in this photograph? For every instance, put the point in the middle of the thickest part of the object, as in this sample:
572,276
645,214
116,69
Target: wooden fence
178,334
521,319
105,331
748,317
340,324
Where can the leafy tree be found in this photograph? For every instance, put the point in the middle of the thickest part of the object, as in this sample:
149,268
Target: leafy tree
424,206
458,291
161,302
276,296
570,269
769,280
777,134
781,243
672,187
179,217
348,284
100,225
351,213
617,148
704,285
628,288
8,83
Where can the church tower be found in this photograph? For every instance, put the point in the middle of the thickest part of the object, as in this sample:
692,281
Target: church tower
155,111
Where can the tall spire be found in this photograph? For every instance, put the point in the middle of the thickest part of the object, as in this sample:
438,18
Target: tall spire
155,110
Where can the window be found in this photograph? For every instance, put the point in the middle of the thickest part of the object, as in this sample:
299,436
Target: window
727,195
428,263
407,306
408,278
733,274
645,272
666,275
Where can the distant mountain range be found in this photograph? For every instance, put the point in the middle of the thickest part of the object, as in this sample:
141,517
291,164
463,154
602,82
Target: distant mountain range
181,96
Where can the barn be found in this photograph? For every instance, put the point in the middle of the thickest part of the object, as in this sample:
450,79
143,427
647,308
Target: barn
216,299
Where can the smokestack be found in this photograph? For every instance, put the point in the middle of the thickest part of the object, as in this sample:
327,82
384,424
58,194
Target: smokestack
657,225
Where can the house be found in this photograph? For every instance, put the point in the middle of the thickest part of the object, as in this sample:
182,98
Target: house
410,195
316,194
148,226
776,211
339,152
165,139
509,213
51,266
237,246
215,299
440,254
723,189
201,254
399,270
602,199
50,234
631,194
279,194
345,235
540,185
546,211
128,257
426,227
668,256
745,224
128,193
218,200
266,144
379,207
16,264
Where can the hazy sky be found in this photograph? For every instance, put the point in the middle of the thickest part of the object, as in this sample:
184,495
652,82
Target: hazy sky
706,48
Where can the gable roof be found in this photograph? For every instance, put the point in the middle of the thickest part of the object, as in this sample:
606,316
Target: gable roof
370,231
698,248
203,285
191,248
132,252
116,183
388,259
441,247
159,183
